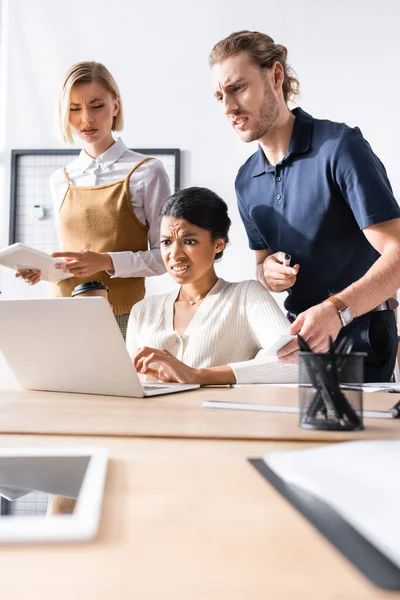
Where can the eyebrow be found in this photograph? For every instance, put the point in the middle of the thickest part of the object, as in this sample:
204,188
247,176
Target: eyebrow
184,235
230,85
91,102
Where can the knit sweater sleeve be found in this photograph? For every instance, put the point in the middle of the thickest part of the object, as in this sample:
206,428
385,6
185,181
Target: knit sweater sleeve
267,323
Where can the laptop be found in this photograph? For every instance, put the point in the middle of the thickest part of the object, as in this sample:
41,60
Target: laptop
71,345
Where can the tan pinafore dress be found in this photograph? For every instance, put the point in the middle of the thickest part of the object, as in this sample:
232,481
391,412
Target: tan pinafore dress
101,219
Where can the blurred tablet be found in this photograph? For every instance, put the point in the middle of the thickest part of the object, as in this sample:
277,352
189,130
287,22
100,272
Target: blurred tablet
51,494
19,256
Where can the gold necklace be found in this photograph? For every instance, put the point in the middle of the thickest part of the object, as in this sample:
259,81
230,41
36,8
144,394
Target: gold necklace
191,302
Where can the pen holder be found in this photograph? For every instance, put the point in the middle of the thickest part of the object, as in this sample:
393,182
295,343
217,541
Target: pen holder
326,396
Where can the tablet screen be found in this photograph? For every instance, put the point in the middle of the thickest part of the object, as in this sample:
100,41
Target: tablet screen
51,494
40,486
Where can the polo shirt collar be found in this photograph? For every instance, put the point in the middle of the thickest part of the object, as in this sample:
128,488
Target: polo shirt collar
300,141
105,160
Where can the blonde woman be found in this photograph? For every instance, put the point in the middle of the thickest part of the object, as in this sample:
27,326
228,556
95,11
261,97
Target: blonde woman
107,201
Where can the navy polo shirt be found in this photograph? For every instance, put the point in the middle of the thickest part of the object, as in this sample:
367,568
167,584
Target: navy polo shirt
314,205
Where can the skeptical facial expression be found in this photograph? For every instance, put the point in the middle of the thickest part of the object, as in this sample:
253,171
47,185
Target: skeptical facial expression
247,95
91,112
188,251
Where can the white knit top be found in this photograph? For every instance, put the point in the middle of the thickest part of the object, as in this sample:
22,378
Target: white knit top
234,324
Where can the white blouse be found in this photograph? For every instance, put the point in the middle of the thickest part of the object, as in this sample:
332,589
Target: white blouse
149,188
234,324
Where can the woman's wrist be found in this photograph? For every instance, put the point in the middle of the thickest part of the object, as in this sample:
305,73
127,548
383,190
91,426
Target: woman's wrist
108,264
215,376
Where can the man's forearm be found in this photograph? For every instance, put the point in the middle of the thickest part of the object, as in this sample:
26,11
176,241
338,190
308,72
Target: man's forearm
378,284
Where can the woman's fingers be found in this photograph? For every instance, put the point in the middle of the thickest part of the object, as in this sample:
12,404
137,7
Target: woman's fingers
151,358
145,351
31,276
146,357
160,374
143,359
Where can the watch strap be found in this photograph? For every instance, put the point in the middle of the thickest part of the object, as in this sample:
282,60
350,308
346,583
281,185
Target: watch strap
338,304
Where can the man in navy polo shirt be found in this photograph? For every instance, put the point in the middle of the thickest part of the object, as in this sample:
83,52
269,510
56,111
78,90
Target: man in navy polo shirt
316,191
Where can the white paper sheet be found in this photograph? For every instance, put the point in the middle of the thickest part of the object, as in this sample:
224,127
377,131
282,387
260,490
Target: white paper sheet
372,414
359,480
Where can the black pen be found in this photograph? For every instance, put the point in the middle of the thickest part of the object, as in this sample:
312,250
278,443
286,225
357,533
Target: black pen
320,401
286,260
396,410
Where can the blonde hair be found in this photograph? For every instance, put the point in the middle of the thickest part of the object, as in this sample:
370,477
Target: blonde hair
262,51
86,72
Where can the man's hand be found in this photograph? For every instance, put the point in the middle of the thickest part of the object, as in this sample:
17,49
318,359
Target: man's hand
315,325
277,276
162,365
84,263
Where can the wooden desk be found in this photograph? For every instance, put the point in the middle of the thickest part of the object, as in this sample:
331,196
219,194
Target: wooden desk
185,520
175,415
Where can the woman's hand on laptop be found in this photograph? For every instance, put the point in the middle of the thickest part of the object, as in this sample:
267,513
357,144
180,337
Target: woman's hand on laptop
162,365
31,276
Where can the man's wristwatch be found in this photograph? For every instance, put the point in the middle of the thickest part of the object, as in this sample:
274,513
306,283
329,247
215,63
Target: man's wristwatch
344,311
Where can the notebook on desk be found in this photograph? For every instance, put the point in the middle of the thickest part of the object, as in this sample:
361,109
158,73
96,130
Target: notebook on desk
351,493
71,345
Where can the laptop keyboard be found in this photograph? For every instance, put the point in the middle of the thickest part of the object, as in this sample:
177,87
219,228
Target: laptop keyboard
154,386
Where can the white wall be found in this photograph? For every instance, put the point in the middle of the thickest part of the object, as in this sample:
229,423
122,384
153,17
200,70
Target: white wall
344,52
